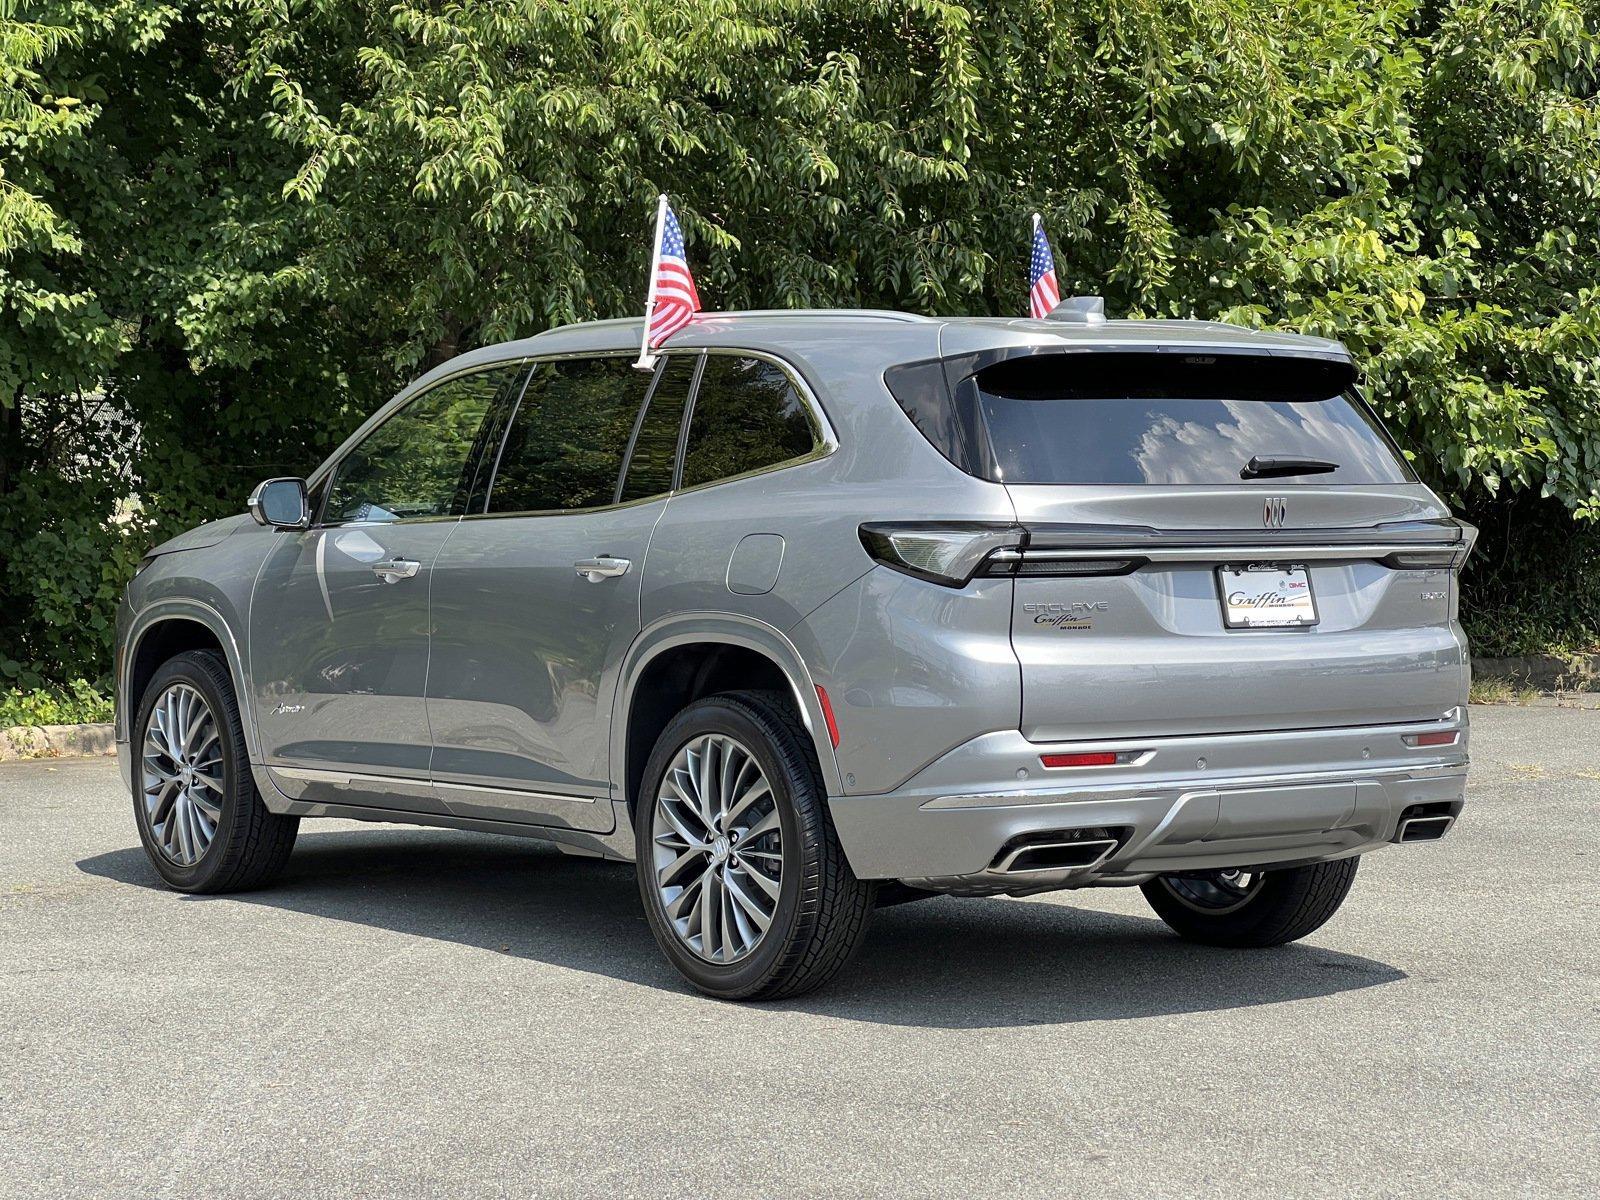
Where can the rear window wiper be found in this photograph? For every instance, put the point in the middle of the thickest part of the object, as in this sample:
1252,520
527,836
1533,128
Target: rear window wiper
1261,466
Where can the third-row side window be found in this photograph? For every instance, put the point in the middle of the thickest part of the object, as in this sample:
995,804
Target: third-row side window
747,415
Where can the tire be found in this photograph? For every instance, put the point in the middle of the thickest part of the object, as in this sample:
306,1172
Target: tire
1281,906
248,845
819,914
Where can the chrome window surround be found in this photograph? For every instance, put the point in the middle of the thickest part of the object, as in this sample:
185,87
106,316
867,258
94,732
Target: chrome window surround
825,440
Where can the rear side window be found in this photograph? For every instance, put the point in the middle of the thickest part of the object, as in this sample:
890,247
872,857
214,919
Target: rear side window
419,462
566,441
747,416
1167,419
655,449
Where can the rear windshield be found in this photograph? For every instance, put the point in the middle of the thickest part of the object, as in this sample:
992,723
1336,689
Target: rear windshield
1110,418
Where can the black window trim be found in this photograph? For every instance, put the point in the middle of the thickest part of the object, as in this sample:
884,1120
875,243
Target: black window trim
324,476
638,424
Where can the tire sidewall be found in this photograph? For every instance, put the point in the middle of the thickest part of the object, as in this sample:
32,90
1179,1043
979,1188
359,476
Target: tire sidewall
192,668
731,718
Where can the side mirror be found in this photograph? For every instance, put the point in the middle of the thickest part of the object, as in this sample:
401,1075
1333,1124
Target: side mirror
281,503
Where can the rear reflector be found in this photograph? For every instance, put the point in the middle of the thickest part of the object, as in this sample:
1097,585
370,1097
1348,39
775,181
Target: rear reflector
1098,758
827,715
1442,738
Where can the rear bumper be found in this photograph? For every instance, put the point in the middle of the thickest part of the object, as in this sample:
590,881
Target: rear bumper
1179,804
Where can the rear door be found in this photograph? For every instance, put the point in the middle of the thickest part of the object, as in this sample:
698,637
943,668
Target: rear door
1216,544
536,598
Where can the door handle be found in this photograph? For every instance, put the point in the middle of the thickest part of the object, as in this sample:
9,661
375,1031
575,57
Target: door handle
604,567
396,569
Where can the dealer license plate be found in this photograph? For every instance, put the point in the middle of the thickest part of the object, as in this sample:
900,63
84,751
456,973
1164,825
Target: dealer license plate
1266,597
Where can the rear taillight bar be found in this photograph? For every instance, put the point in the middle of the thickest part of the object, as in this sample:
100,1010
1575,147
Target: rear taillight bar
954,553
1057,564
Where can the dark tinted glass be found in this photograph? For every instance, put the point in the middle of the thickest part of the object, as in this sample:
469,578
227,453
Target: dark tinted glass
418,462
650,468
565,445
1124,419
747,415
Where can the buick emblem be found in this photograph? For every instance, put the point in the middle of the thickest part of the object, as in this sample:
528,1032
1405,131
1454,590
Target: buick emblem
1274,512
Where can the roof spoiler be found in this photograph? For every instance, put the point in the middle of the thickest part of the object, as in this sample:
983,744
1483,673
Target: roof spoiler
1079,310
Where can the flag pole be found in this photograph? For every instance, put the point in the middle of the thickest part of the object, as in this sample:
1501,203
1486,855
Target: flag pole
647,361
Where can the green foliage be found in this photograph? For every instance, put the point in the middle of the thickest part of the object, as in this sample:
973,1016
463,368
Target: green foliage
229,228
1532,583
78,702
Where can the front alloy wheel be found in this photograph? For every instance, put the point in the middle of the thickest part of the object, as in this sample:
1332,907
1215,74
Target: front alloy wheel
1214,892
202,822
1250,906
182,774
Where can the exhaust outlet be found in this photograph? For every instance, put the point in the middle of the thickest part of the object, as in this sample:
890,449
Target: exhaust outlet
1428,828
1055,856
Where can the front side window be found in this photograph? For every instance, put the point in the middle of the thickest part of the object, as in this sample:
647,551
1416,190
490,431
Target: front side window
419,462
565,445
747,416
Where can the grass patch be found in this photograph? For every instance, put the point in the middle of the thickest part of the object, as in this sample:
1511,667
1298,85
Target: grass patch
1494,689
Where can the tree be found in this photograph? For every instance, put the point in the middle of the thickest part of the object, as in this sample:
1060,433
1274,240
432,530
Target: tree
233,226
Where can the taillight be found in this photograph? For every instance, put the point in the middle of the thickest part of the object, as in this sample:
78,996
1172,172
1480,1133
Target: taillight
1443,558
1057,564
953,553
948,553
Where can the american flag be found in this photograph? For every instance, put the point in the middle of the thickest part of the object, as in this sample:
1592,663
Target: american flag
1043,292
672,286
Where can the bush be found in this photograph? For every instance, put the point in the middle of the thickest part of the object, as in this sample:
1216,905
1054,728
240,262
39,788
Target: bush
78,702
1533,584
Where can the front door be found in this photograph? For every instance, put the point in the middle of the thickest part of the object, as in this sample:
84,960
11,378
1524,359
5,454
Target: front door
536,599
339,616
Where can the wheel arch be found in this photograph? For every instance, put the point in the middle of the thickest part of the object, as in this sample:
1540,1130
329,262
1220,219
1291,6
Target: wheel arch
168,628
683,657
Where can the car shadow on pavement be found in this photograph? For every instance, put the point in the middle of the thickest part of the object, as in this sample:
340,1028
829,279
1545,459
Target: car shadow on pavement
937,963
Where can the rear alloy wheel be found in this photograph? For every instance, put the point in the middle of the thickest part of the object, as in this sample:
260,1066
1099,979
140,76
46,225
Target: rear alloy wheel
1245,907
741,874
718,849
202,822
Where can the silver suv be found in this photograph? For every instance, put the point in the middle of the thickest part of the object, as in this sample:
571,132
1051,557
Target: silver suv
831,610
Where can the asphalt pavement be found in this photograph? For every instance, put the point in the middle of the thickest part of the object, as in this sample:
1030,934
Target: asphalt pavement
417,1012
